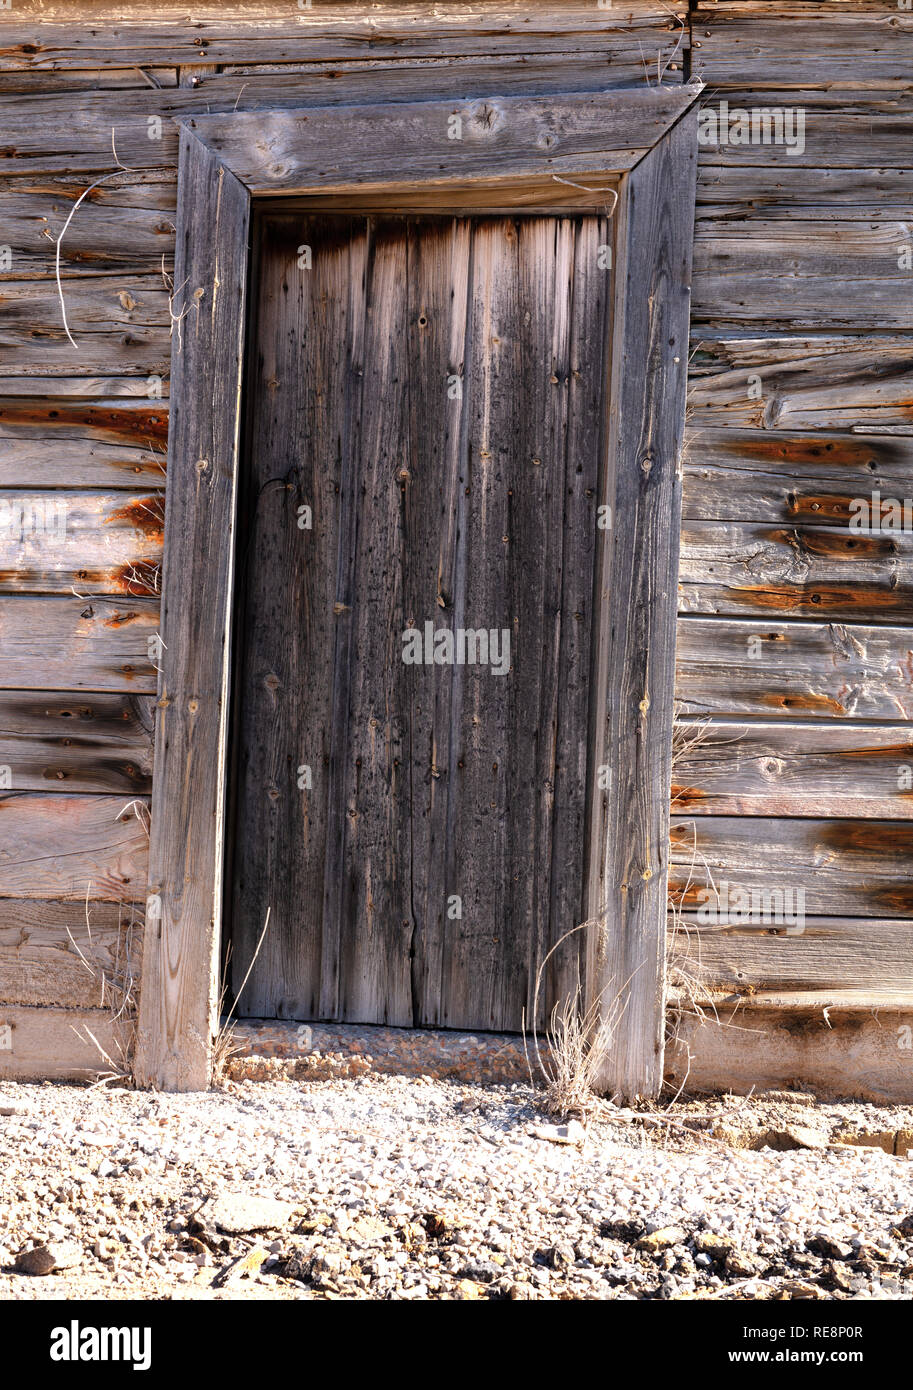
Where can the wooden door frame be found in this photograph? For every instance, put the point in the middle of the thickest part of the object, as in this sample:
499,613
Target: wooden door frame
550,154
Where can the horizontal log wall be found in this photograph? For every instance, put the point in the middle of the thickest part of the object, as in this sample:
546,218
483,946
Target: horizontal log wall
83,429
796,636
795,640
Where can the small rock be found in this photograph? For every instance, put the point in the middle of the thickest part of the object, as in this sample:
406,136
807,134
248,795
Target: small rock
797,1288
466,1289
741,1262
662,1239
717,1246
247,1264
823,1243
571,1133
843,1279
237,1213
796,1137
92,1140
481,1273
44,1259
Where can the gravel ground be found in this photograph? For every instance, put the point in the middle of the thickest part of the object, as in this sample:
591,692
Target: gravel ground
386,1187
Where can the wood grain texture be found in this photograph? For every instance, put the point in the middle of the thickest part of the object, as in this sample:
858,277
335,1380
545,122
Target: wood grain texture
778,476
78,643
107,543
71,847
794,669
54,442
823,382
67,953
786,769
501,138
848,49
829,954
851,1052
179,954
131,313
428,783
62,1044
332,33
295,612
846,128
78,129
635,659
66,84
855,868
746,568
84,388
733,193
116,230
805,274
76,743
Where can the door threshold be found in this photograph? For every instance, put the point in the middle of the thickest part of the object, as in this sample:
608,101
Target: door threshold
272,1049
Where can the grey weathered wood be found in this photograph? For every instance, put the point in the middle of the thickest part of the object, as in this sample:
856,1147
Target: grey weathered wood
838,1052
797,274
730,192
38,81
747,568
427,783
185,869
635,664
795,669
57,108
830,953
135,313
126,227
68,953
846,867
82,388
105,543
503,138
55,442
296,610
787,769
844,128
75,643
439,311
822,382
854,49
506,139
71,847
334,33
58,137
772,475
63,1044
76,742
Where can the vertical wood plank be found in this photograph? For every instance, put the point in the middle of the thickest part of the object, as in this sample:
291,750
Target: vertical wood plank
177,1004
585,447
439,276
375,864
636,590
304,405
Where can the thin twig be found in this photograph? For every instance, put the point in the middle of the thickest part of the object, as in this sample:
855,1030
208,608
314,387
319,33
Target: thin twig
121,169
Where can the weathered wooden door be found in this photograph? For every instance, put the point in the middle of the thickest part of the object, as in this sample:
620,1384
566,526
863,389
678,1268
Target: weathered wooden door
415,612
438,654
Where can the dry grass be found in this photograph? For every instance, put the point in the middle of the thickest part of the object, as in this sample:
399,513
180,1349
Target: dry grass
578,1040
224,1047
117,991
116,980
